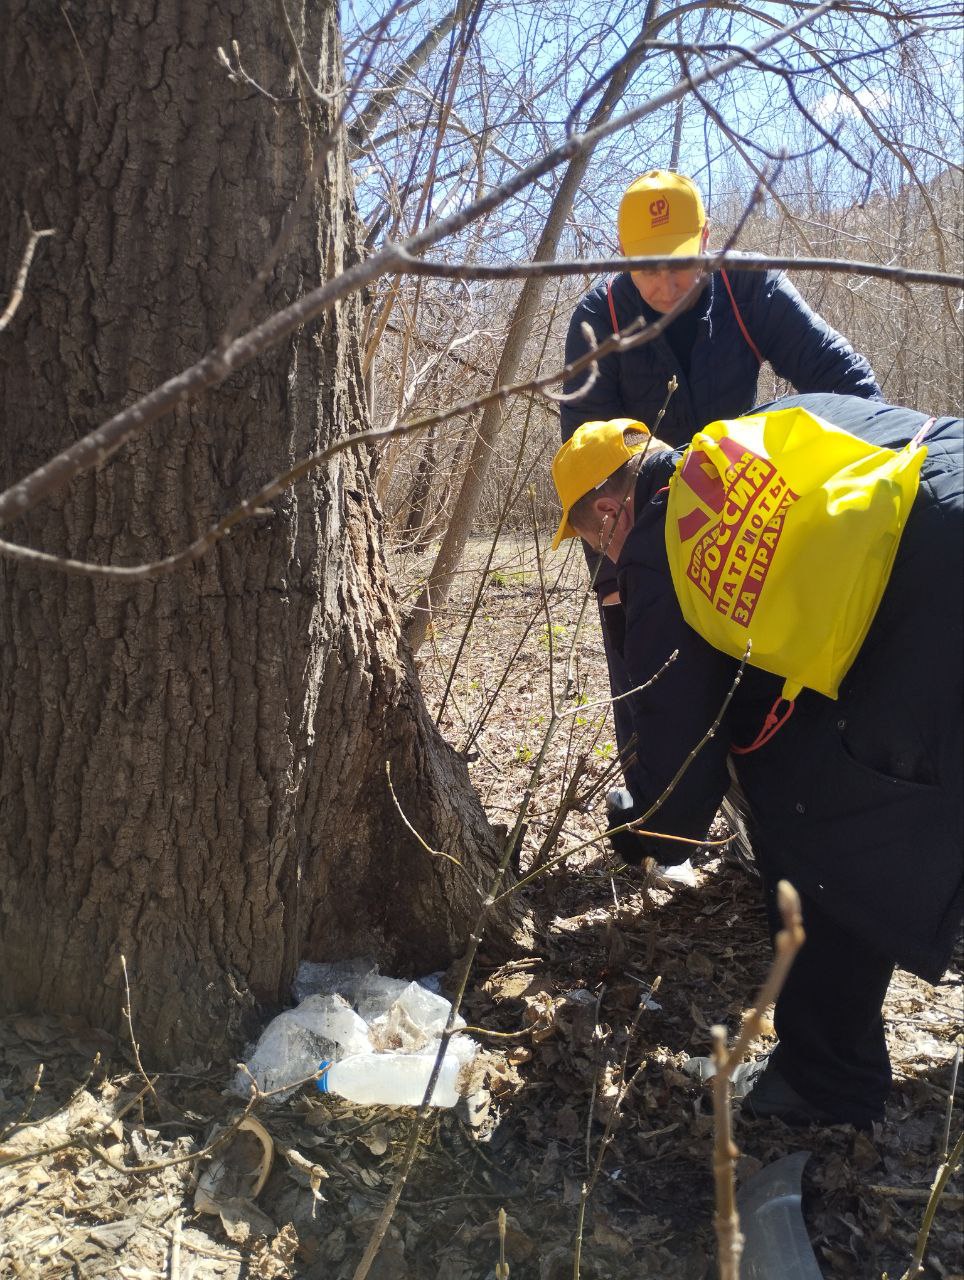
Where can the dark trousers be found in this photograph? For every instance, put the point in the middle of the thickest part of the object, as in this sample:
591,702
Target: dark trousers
828,1017
612,618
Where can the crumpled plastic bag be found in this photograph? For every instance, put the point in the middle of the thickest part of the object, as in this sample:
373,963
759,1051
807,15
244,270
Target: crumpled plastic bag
743,1079
681,873
296,1041
345,1008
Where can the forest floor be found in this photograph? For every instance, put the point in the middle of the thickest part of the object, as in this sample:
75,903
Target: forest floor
95,1175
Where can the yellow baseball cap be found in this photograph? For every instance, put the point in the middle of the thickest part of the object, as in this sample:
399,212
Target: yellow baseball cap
661,213
588,458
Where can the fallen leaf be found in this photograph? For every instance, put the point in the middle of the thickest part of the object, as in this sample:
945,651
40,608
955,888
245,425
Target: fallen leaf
375,1139
243,1221
605,1234
865,1154
699,964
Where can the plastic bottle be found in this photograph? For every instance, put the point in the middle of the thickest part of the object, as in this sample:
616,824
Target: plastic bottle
391,1079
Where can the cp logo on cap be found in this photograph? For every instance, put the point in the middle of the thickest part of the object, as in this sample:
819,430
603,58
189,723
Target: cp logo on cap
658,208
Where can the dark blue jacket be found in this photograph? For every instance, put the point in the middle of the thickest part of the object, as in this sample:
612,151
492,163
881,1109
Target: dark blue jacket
723,372
859,799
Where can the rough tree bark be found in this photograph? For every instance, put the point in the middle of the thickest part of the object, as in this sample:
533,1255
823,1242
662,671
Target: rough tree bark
192,770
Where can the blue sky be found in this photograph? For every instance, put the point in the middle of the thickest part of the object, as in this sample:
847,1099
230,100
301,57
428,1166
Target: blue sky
531,62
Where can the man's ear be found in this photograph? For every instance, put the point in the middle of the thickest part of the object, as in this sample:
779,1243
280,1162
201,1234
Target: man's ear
705,238
607,505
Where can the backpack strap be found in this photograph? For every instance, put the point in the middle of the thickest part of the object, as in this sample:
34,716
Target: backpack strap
739,318
773,723
612,307
925,427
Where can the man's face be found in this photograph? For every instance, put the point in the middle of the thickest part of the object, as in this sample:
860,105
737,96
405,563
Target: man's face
662,289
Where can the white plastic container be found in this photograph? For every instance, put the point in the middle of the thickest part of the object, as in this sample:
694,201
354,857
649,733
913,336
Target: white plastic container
391,1079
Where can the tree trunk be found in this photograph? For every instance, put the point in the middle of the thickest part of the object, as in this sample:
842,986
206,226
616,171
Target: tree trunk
192,769
418,498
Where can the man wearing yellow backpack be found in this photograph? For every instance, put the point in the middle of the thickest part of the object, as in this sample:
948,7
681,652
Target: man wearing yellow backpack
821,536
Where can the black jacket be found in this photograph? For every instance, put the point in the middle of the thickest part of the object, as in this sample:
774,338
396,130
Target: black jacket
859,798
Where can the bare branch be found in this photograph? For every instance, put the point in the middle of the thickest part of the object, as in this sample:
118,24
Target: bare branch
16,297
213,368
713,261
379,102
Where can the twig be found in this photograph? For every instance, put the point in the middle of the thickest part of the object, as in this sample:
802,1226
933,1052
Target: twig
726,1218
711,261
24,1122
126,1012
73,1141
435,853
217,1141
589,1184
475,939
937,1190
950,1103
543,600
671,388
566,805
16,297
595,1079
100,444
23,1119
711,732
83,60
88,1144
174,1268
694,841
237,73
411,1150
501,1267
513,491
920,1194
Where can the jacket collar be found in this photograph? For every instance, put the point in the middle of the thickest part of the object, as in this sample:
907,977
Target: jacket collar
654,476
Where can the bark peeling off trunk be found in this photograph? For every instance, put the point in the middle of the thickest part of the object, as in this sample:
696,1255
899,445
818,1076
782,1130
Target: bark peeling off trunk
192,769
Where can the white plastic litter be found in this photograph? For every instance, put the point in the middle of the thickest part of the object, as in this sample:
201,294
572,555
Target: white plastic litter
771,1218
348,1010
741,1082
682,873
338,975
293,1043
394,1079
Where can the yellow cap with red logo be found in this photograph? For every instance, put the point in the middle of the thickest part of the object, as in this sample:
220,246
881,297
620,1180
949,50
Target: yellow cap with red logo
593,453
661,213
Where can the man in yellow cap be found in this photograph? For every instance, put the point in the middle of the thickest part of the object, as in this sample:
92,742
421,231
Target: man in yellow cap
856,800
727,324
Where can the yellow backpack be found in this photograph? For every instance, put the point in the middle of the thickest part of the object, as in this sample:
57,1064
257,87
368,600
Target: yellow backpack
781,530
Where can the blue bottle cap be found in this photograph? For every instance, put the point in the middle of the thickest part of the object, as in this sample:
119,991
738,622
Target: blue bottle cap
322,1083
